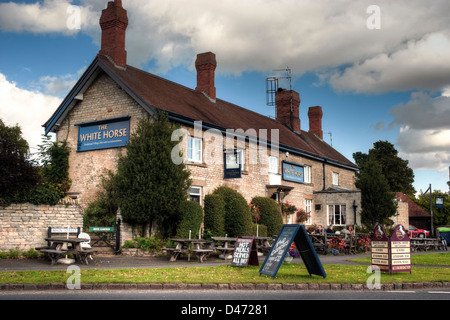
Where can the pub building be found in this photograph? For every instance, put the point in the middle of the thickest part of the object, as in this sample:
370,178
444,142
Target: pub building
223,144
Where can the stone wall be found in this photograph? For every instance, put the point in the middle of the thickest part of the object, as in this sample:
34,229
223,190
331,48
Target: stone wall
24,226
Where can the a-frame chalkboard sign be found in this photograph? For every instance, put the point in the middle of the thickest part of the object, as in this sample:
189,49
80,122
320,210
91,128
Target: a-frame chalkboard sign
292,233
245,252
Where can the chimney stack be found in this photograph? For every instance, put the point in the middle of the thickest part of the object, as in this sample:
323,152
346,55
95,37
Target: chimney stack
288,108
206,65
114,22
315,121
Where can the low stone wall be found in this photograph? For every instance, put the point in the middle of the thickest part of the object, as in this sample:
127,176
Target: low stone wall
24,226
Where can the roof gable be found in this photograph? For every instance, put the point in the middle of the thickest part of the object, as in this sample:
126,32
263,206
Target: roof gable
188,105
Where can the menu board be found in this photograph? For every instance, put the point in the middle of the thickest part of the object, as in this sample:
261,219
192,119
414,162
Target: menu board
279,249
245,253
292,233
391,254
400,250
380,248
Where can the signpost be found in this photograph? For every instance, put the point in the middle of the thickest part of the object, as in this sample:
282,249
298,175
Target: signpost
292,233
391,254
245,253
380,248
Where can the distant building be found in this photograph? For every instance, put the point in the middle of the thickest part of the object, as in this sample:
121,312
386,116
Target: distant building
266,157
416,215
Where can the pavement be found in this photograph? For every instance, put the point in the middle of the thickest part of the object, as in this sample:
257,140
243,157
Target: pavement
133,262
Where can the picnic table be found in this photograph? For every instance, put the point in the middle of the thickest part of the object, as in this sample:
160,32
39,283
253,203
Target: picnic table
60,246
195,246
263,244
223,244
426,244
320,241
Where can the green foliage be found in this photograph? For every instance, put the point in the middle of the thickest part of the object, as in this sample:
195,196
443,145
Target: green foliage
17,174
214,206
262,230
20,181
270,214
441,216
238,219
377,201
102,211
147,244
191,219
149,186
399,176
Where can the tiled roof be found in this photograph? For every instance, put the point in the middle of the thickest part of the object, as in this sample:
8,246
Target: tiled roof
180,100
414,210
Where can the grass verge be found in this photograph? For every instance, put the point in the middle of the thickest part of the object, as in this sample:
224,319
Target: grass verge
288,273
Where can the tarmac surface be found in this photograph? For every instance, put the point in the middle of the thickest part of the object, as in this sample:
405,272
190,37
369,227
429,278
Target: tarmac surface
133,262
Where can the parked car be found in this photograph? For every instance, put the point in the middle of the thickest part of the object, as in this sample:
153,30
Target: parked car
418,233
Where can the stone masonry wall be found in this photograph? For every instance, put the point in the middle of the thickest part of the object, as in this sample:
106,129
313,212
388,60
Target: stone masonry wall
24,226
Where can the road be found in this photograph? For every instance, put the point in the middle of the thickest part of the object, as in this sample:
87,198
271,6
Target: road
237,295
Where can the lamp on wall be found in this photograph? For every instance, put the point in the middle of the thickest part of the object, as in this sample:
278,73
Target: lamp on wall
355,206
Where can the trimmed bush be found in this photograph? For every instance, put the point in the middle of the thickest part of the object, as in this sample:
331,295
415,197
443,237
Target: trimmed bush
262,230
191,219
238,219
214,206
270,214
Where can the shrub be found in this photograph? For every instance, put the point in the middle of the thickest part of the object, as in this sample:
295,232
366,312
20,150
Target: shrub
191,219
214,206
262,230
270,214
238,219
148,244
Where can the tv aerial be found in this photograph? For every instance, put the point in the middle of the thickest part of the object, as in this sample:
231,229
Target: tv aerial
272,85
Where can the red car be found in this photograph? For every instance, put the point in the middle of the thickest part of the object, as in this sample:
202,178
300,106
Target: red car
418,233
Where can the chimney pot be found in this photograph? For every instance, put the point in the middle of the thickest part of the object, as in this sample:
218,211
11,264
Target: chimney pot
288,108
315,121
114,22
206,65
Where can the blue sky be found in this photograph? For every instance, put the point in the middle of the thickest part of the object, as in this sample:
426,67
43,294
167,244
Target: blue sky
378,75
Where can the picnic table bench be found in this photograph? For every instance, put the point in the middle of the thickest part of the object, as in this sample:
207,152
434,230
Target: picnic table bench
72,246
189,246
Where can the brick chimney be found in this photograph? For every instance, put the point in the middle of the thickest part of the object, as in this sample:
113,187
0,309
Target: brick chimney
206,65
288,108
114,22
315,121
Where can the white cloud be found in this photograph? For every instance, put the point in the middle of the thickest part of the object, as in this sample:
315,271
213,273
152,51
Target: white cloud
58,85
44,17
424,137
30,110
422,64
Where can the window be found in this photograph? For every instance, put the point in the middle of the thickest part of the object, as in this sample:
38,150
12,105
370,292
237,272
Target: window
307,174
194,149
308,205
195,194
273,164
335,178
241,157
337,214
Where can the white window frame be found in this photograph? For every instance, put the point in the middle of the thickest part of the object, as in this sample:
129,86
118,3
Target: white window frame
331,216
273,164
308,209
335,178
307,174
196,193
195,149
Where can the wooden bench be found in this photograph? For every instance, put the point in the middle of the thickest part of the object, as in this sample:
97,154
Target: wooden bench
84,254
53,254
202,254
175,252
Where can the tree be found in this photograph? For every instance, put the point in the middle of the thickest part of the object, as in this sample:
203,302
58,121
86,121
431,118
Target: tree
377,201
17,174
441,216
396,171
150,188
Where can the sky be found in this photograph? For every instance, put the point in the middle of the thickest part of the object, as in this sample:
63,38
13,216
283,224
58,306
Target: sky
380,70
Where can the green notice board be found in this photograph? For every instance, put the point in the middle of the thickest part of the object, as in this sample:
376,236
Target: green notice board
292,233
